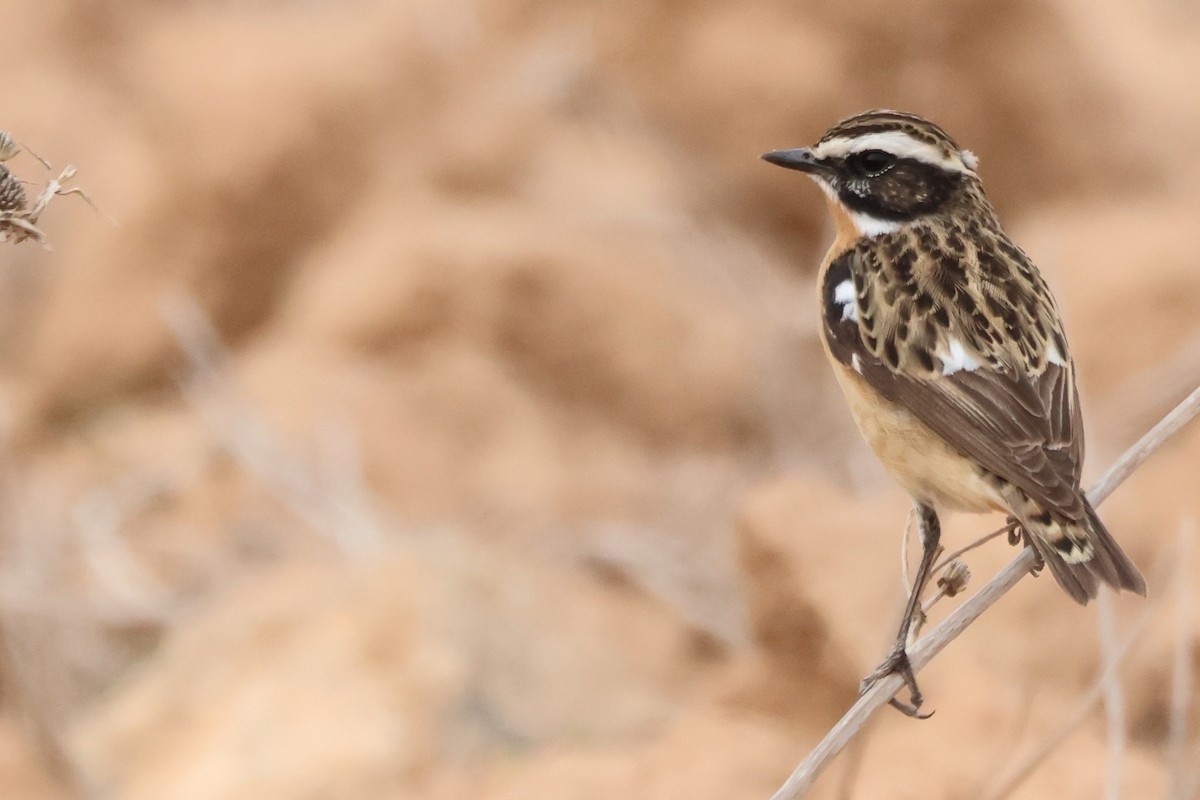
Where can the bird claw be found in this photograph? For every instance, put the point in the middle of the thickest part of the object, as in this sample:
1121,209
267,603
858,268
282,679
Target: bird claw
898,662
1018,535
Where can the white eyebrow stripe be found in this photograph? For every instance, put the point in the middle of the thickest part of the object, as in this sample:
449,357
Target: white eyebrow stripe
899,144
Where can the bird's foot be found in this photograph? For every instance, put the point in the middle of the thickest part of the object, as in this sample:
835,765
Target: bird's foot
1038,562
1016,534
897,662
1019,535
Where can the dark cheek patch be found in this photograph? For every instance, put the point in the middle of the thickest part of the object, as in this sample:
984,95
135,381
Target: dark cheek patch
908,190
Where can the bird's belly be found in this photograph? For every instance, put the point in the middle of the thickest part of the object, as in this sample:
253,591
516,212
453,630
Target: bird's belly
929,469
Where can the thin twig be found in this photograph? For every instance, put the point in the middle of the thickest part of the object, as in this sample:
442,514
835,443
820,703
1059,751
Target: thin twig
1114,699
1191,787
1144,394
39,159
1025,766
962,551
854,762
882,690
343,512
1181,678
1020,728
905,579
1153,439
952,584
807,772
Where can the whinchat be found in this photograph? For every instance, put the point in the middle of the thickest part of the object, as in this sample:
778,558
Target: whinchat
950,351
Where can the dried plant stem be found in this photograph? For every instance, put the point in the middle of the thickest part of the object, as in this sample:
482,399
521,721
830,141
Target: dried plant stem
1191,789
923,651
1023,768
1144,395
854,762
1181,679
982,540
1114,698
1153,439
905,579
333,502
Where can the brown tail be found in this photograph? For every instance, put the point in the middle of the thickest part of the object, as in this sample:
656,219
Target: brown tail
1086,553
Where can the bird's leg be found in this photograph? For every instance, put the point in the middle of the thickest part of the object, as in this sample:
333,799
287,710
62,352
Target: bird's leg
897,661
1019,535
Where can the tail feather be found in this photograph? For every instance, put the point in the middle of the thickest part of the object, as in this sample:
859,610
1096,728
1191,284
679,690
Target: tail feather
1081,554
1075,579
1119,571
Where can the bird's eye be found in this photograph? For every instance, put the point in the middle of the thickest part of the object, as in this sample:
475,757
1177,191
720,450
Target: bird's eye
872,163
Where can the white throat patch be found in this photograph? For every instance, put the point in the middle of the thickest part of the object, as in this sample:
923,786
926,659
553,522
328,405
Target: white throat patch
873,226
864,223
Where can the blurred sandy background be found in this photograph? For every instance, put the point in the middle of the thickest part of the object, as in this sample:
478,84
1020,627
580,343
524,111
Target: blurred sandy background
444,418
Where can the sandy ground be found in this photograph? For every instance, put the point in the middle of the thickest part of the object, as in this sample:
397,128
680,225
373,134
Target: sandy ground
443,416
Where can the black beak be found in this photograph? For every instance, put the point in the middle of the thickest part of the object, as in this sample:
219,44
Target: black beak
801,158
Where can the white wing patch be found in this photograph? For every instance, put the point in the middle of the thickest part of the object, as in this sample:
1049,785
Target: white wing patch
844,295
1055,357
957,359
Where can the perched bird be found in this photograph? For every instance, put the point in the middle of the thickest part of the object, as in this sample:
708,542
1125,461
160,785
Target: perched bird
950,351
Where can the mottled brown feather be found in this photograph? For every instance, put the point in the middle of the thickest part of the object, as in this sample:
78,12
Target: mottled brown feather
1017,415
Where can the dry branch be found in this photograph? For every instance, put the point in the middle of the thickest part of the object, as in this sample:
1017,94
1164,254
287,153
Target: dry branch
1181,679
1145,394
924,650
1114,698
1012,777
333,501
1021,769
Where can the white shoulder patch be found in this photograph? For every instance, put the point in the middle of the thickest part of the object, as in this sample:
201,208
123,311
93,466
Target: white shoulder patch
957,359
1055,357
844,295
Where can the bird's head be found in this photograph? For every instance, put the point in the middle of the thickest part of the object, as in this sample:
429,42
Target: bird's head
884,169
